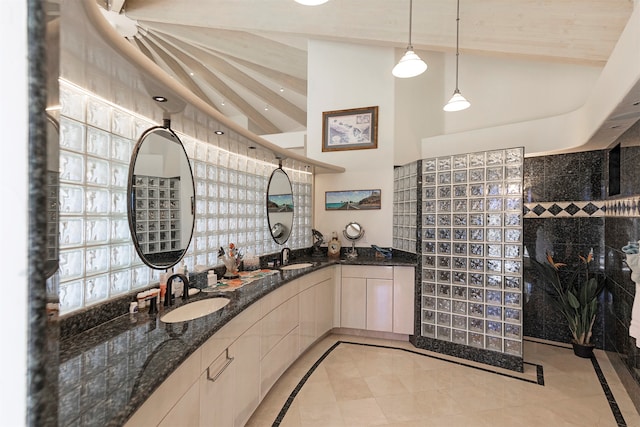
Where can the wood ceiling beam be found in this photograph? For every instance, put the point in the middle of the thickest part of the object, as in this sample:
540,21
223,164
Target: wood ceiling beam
221,87
271,54
176,69
213,62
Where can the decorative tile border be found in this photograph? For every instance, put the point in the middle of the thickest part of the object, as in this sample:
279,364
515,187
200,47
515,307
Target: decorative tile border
565,209
627,207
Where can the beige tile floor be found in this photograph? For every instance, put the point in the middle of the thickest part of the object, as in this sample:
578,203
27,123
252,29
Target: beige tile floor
365,386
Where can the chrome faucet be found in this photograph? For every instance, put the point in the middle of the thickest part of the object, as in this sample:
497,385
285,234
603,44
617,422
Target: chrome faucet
284,256
168,299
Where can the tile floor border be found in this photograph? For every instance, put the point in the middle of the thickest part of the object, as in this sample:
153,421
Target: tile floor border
283,412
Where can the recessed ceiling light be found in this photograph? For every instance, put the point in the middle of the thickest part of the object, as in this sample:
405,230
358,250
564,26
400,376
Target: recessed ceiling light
159,98
222,103
615,126
281,89
218,132
266,108
251,147
636,103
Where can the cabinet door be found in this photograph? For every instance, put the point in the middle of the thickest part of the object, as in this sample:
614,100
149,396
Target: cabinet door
353,303
324,304
246,351
380,305
278,360
186,411
308,311
216,400
403,300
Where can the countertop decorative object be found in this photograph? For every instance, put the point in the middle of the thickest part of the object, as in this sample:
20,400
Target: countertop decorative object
108,372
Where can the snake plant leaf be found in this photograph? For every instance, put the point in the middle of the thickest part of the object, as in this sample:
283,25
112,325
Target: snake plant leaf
573,301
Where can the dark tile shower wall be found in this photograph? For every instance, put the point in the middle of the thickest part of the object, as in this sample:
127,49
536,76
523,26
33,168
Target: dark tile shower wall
564,216
567,212
622,226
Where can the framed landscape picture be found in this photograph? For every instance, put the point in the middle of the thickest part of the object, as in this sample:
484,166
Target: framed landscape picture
351,200
354,129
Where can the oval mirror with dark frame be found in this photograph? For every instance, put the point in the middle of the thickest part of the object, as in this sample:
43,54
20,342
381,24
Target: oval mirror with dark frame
280,206
160,202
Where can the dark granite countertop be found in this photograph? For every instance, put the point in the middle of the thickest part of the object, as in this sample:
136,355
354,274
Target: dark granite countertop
107,372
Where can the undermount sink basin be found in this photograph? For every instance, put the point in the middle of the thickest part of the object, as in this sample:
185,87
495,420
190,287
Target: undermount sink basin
193,310
296,266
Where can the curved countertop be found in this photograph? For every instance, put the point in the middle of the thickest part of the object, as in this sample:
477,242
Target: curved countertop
107,372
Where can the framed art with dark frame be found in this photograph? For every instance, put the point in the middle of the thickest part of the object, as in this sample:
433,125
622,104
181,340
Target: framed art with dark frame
353,129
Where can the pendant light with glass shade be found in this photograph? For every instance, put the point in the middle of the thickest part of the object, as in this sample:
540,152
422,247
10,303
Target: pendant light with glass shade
311,2
457,101
410,65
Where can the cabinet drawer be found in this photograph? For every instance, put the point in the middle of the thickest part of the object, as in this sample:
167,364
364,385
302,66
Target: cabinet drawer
269,302
222,339
277,324
314,278
367,271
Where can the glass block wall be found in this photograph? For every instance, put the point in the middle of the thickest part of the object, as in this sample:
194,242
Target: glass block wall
405,207
472,249
466,212
97,257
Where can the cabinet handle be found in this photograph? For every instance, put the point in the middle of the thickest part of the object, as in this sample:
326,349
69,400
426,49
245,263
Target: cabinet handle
216,376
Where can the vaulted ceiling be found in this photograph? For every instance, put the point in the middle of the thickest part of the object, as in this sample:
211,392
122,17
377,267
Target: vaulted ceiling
248,58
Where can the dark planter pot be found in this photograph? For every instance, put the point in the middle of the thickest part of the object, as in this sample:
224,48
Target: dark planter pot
583,350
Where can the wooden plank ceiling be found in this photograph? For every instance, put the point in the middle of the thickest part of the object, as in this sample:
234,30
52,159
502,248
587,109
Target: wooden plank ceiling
248,58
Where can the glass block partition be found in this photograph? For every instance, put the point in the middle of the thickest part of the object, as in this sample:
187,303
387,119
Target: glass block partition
472,250
405,207
97,257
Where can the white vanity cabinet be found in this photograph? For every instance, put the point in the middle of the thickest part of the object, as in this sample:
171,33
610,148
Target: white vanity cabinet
230,388
188,398
403,299
377,298
245,357
316,306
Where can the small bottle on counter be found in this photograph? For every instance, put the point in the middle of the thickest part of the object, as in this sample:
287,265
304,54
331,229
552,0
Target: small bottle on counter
212,278
163,286
133,307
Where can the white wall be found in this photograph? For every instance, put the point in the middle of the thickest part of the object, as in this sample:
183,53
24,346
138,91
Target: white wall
511,90
13,120
418,109
341,77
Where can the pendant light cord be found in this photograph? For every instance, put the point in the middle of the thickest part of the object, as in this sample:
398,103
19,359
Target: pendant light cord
457,41
410,19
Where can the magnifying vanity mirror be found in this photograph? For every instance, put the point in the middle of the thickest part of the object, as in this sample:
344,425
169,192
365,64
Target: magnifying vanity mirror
160,201
353,232
280,206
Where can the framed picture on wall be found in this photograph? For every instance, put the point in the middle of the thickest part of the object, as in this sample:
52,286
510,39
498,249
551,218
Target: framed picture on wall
353,129
351,200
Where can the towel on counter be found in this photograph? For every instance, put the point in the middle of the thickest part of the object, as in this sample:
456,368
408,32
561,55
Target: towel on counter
633,261
634,327
246,277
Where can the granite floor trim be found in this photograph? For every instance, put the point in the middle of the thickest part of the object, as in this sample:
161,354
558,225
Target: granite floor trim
280,417
613,404
615,409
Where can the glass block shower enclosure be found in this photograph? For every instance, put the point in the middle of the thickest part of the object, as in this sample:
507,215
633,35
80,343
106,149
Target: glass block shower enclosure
462,214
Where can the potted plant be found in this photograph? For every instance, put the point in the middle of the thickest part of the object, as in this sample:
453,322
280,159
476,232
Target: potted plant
575,293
